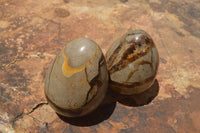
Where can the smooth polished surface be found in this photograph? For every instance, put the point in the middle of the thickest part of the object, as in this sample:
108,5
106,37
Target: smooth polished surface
33,32
77,80
132,62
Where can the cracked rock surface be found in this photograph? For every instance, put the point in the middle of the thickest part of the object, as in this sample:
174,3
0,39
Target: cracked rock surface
32,33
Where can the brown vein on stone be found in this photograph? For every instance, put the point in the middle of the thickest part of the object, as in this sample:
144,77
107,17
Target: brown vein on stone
116,51
95,80
125,61
129,55
89,84
129,52
102,61
130,85
114,55
131,74
144,62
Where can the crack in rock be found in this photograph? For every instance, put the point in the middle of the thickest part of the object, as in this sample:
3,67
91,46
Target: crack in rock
22,114
19,116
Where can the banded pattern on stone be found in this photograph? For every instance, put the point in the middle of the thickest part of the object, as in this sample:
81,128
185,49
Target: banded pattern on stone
132,62
77,79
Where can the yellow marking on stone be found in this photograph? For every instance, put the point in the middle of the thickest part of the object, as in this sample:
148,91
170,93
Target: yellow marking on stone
89,62
95,54
69,71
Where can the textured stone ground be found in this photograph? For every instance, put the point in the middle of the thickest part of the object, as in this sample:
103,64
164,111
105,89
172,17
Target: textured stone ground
32,32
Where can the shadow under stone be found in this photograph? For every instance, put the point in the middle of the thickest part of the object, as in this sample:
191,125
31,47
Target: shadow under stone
140,99
103,112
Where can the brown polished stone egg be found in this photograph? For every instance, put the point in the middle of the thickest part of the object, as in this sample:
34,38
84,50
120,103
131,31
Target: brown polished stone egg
132,62
77,80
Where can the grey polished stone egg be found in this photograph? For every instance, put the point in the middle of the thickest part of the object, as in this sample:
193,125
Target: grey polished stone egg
77,80
132,62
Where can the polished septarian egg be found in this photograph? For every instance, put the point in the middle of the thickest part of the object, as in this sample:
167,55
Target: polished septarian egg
77,80
132,62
